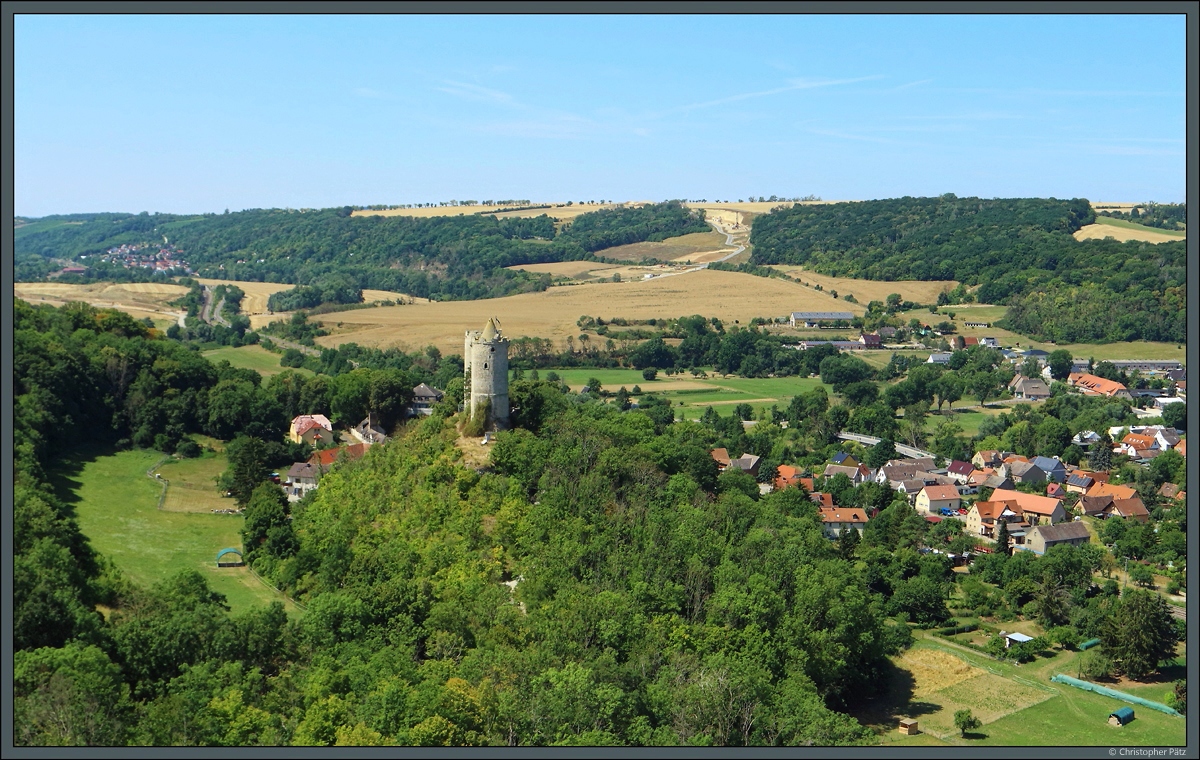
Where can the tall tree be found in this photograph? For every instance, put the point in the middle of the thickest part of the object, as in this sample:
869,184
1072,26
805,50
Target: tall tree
1140,634
1003,542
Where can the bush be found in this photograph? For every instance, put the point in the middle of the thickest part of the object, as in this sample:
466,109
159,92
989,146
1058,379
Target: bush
649,373
1094,664
188,449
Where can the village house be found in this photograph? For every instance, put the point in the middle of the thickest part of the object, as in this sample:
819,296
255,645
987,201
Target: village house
983,515
1091,385
845,459
1028,388
1134,443
1056,491
1131,509
369,432
998,480
311,428
938,358
1054,468
886,332
424,398
1033,508
1025,472
301,478
721,457
834,519
746,463
858,475
989,342
822,500
1079,482
931,500
869,340
1041,537
325,459
787,477
1181,447
960,471
987,458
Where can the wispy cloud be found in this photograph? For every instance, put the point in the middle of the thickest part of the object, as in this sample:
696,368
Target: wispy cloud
477,93
793,84
367,92
913,84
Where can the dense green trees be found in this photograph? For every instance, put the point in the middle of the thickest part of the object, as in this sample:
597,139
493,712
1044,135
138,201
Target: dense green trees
1020,251
333,254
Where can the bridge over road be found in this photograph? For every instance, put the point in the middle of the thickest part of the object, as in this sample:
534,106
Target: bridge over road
870,440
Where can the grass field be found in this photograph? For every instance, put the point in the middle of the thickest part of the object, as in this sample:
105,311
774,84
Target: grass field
1018,704
192,484
256,358
690,396
968,419
684,247
1124,230
553,313
116,507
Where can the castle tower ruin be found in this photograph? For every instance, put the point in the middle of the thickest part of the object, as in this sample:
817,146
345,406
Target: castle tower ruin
485,360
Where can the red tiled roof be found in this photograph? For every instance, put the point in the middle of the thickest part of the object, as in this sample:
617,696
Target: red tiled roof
839,515
824,500
1093,385
1107,489
941,493
329,456
1039,505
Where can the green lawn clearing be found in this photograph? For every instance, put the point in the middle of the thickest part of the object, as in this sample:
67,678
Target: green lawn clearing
192,484
1018,704
691,395
1114,222
256,358
115,504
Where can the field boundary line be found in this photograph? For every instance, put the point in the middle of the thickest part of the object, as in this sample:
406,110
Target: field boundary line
162,497
263,581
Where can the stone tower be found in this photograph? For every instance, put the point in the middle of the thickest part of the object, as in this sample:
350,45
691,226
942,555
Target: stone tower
485,360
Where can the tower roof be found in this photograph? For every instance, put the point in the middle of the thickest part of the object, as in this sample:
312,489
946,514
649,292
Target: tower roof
490,331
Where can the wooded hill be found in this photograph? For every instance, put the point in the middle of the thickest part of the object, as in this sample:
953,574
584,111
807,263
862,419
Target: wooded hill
450,257
1020,251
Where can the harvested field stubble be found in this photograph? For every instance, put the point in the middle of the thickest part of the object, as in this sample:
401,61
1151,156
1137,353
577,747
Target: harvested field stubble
552,314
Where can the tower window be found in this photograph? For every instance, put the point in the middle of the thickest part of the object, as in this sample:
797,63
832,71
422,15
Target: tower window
492,349
485,365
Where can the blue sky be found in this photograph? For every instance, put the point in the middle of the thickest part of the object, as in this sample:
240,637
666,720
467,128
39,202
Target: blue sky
203,113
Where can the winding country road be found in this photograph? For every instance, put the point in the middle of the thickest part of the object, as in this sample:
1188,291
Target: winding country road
729,241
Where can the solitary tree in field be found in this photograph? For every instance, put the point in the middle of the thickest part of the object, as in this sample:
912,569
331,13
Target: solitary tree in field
964,721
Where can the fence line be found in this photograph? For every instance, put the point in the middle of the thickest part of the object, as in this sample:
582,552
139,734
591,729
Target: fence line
263,581
162,497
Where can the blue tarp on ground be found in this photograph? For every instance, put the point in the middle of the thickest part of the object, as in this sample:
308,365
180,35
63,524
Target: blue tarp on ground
1089,686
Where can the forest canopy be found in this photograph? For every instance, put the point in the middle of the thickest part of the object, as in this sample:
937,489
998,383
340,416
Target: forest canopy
445,257
1019,251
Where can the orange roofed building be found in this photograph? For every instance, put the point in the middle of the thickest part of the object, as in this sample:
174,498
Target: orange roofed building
1092,385
836,518
1035,509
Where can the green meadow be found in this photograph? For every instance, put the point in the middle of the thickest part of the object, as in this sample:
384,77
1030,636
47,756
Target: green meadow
256,358
116,506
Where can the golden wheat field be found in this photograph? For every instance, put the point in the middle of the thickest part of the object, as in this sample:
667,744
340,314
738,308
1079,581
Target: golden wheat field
258,293
696,246
1123,234
553,313
141,299
865,291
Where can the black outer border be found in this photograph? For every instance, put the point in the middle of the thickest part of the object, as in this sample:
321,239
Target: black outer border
515,7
